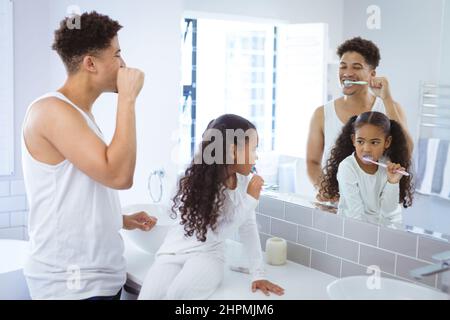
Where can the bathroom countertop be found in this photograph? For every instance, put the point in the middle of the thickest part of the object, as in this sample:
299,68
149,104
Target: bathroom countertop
299,282
294,198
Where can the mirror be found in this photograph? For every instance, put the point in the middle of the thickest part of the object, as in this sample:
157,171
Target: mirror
276,68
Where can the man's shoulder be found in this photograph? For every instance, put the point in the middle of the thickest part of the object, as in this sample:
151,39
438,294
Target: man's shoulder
51,108
336,103
47,102
50,115
318,114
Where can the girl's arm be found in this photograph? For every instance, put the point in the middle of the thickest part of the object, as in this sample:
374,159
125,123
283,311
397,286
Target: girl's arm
389,200
351,204
249,237
390,195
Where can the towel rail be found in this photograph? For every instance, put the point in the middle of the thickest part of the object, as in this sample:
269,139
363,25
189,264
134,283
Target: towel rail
434,111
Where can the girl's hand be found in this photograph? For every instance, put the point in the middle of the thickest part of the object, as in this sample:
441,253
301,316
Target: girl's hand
140,220
393,176
255,186
266,287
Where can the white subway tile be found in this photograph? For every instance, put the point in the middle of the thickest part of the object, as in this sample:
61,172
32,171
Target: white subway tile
12,233
4,188
16,203
18,219
26,218
25,234
17,188
4,220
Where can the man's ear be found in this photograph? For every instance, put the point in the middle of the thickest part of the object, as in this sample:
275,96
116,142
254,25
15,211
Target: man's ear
373,73
387,143
89,64
233,153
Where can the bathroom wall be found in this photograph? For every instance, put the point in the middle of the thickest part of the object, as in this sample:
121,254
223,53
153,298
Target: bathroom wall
31,60
345,247
444,66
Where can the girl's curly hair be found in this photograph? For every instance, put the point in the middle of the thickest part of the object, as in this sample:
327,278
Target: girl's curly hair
398,152
201,191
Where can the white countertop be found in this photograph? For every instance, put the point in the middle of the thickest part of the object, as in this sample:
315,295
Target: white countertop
298,281
13,253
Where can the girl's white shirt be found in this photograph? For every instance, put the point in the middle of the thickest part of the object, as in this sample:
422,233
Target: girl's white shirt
367,196
236,215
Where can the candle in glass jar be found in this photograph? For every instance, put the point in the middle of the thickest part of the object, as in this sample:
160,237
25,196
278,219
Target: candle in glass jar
276,251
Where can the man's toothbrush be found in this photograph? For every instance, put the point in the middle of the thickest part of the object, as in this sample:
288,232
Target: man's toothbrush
369,159
348,83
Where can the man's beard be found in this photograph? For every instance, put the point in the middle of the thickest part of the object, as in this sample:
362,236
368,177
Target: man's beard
350,94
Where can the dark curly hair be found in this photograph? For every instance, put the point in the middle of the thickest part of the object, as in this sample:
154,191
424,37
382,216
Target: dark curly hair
364,47
398,152
201,192
95,33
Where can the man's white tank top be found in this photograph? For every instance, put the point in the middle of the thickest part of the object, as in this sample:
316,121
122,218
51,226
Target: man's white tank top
333,125
76,251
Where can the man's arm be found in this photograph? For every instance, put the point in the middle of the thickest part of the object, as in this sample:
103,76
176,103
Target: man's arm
315,147
67,131
395,112
380,87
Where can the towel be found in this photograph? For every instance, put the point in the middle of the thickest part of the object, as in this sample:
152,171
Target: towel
433,167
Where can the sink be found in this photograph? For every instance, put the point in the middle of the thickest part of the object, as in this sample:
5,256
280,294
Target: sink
13,285
148,241
366,288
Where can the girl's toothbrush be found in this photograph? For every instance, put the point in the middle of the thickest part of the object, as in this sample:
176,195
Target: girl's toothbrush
239,269
348,83
369,159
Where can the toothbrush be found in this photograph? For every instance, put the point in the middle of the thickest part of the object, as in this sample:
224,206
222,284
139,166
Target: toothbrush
240,269
348,83
369,159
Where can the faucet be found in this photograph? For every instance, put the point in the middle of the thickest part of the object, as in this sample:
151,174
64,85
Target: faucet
443,265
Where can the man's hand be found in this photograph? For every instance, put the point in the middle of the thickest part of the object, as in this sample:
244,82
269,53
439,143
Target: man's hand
255,186
380,87
129,82
140,220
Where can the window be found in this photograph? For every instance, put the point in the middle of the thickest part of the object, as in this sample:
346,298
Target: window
275,76
6,89
301,84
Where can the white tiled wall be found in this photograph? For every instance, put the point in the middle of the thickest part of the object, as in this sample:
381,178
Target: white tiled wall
13,210
346,247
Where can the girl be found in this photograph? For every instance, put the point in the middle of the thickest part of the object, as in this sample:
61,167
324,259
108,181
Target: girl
367,191
216,197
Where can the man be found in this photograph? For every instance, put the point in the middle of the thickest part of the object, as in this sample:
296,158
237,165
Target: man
70,173
359,59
